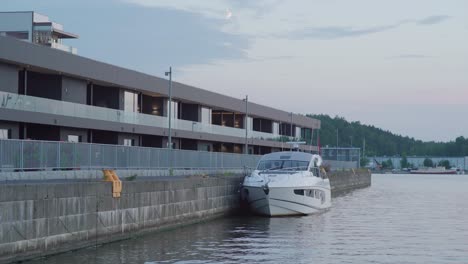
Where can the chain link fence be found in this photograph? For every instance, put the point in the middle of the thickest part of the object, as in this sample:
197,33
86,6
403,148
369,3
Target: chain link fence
24,155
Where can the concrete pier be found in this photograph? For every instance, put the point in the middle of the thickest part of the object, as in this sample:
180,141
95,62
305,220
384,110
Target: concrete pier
39,219
343,181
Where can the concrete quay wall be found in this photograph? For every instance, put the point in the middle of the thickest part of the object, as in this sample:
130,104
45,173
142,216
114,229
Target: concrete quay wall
42,218
343,181
45,218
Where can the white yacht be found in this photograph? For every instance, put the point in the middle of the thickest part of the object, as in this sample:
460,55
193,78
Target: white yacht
287,183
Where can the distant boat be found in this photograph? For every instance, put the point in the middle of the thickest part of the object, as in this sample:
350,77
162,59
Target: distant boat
437,170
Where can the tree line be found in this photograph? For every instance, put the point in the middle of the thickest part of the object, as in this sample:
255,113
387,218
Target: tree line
381,142
388,164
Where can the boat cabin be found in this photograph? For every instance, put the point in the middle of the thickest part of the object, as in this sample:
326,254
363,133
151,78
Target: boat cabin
287,162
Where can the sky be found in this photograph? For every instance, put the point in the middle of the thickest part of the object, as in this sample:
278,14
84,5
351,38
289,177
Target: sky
401,65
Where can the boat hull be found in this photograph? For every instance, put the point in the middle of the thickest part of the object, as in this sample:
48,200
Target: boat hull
435,172
283,201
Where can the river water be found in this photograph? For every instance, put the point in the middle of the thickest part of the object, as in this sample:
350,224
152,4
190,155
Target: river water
400,219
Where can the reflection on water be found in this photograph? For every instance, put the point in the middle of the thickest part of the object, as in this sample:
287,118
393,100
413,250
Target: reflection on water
400,219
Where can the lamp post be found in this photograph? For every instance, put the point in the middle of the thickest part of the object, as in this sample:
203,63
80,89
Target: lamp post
169,139
169,73
246,122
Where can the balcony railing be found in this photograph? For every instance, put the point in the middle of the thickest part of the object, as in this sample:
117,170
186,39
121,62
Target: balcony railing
62,47
63,108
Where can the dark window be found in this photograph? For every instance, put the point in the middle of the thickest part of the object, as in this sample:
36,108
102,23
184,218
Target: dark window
299,192
44,85
290,165
15,34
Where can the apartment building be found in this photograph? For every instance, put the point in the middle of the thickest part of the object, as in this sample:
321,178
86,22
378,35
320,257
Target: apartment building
47,92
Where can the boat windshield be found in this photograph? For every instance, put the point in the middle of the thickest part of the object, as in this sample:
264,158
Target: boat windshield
292,165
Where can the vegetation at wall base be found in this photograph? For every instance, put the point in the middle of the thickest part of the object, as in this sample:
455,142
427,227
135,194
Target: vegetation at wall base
380,142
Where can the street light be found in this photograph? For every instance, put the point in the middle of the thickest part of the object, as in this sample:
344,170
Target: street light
246,100
169,73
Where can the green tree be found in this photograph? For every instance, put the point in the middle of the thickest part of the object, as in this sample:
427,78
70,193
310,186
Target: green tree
428,163
384,164
444,163
404,162
364,161
388,164
381,142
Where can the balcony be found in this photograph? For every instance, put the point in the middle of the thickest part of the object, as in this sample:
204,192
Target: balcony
62,108
60,46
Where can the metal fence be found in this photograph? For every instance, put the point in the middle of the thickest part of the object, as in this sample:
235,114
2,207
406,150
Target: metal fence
20,155
341,154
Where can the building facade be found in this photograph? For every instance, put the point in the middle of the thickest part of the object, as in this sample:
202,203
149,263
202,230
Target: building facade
48,94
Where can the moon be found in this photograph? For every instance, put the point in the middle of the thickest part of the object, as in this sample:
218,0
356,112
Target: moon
228,14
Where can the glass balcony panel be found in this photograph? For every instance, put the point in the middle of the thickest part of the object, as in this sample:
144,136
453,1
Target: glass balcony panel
48,106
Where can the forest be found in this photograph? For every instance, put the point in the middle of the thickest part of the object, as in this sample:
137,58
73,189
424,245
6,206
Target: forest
379,142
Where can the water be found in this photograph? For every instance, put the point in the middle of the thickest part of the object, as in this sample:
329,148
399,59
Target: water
400,219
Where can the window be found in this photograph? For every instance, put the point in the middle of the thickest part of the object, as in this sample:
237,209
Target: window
74,138
206,115
291,165
174,109
299,192
309,193
315,171
15,34
129,142
5,133
130,101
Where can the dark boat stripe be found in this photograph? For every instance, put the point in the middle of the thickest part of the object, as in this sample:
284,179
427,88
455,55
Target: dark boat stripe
306,205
